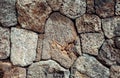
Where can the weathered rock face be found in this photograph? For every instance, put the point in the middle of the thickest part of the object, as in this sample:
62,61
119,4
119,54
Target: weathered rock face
16,72
73,8
33,14
90,6
111,27
55,4
7,13
115,72
4,66
117,7
90,67
104,8
117,42
47,69
109,54
4,43
39,47
24,43
91,42
59,40
88,23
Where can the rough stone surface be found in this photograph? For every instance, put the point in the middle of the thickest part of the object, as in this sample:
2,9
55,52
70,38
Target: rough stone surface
24,43
8,16
15,72
109,54
89,66
39,47
88,23
4,67
104,8
73,8
117,42
55,4
91,42
90,6
117,7
33,14
76,74
60,46
111,27
115,72
4,43
47,69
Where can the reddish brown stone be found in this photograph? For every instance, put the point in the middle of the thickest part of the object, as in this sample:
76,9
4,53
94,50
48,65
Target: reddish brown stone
104,8
15,72
90,6
88,23
33,14
115,72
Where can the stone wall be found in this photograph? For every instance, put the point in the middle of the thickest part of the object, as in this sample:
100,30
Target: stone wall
59,38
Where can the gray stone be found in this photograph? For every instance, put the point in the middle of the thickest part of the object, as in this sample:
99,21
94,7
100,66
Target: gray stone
117,7
24,44
60,40
104,8
47,69
90,67
115,71
73,8
15,72
88,23
109,54
33,14
39,47
117,42
4,43
111,27
91,42
55,4
8,16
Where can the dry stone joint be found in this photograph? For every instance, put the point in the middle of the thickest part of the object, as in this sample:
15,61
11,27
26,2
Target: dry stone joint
59,38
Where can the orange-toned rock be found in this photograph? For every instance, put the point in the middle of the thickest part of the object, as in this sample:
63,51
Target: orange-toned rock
60,40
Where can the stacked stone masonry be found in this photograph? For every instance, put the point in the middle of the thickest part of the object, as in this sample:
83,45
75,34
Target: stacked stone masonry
59,38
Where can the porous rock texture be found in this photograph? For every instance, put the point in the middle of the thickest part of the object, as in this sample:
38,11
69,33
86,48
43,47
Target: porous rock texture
33,14
22,53
8,13
4,43
90,67
59,39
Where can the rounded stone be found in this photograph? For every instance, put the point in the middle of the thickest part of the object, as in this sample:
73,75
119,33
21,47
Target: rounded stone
73,8
61,42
